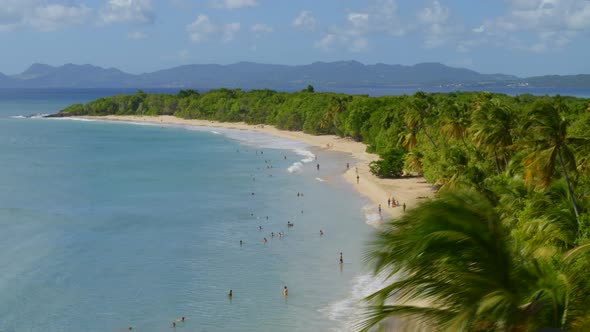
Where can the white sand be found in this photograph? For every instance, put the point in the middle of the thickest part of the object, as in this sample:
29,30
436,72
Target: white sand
406,190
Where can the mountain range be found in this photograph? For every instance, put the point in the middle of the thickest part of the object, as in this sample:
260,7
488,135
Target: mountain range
248,75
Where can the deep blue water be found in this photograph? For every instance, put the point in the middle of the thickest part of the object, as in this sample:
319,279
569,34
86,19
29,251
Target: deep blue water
109,225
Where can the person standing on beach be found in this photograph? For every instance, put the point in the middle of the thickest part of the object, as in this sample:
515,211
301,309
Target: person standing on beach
389,202
347,166
357,179
318,166
379,208
404,207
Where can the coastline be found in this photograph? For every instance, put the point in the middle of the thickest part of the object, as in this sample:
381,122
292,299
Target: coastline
405,190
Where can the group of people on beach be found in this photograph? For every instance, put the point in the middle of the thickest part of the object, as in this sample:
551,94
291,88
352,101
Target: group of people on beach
392,202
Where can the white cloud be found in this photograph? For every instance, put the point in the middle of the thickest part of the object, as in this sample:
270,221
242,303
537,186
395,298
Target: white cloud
230,30
202,29
539,25
435,26
327,42
436,14
479,29
233,4
117,11
260,28
136,35
41,15
359,23
304,21
380,17
53,16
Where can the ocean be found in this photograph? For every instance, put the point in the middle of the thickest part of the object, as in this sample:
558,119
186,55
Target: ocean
111,225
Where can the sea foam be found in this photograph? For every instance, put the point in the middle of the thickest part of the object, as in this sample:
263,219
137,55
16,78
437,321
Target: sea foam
347,311
309,156
295,168
372,217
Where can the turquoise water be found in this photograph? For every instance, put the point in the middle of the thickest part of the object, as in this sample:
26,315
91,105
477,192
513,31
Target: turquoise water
109,225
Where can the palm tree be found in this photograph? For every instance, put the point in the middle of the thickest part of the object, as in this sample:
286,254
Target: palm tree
453,266
419,110
493,123
548,142
456,121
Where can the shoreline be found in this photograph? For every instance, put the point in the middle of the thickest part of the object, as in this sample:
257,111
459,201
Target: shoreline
404,190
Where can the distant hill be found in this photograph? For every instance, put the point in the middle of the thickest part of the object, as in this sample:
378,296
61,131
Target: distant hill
557,81
248,75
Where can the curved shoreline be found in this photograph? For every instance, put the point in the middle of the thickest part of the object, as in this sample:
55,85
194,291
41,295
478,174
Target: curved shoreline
405,190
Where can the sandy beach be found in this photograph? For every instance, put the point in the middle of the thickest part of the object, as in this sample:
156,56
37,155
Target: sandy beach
406,190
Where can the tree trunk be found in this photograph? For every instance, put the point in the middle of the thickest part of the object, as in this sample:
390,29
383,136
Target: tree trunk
567,182
497,163
429,138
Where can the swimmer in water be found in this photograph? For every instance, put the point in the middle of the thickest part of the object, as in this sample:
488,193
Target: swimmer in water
321,233
341,260
241,243
230,294
265,240
285,292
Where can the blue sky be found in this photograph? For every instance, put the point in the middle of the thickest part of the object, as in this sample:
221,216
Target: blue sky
523,37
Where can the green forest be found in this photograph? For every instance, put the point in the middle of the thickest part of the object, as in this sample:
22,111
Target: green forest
504,245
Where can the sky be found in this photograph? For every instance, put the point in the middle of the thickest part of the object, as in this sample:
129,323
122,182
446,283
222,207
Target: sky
521,37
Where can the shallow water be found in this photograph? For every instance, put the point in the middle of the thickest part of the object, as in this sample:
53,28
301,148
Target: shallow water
109,225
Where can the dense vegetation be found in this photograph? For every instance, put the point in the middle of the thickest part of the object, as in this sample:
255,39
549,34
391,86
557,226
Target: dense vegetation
505,246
